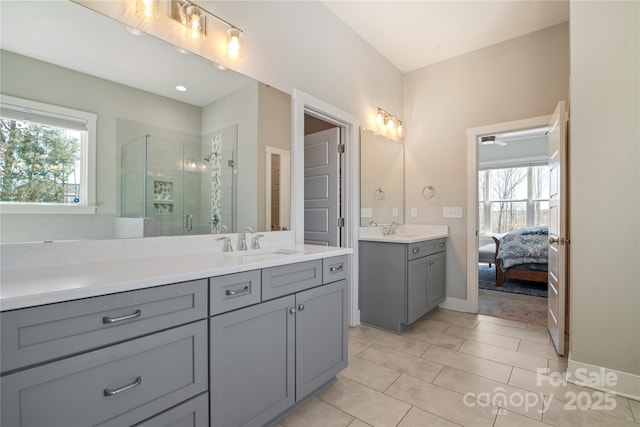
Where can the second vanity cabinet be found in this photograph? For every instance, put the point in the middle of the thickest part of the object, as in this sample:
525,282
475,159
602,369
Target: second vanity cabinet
266,357
400,282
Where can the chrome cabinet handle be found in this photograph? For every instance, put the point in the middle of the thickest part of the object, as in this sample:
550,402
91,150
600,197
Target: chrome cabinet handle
244,290
292,310
108,320
188,222
136,383
416,250
334,269
301,307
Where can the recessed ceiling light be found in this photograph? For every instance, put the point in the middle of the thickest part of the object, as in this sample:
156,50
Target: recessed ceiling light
135,31
181,50
181,88
221,67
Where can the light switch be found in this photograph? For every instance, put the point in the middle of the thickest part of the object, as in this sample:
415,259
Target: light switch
394,212
414,212
452,212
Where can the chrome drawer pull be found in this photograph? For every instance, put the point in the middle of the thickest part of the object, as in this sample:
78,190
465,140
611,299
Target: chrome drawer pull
106,319
239,291
334,269
136,383
416,250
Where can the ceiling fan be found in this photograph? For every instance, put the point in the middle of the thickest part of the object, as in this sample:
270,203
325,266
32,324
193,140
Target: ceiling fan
491,140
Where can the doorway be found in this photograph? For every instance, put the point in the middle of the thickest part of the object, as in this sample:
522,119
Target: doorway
304,104
474,238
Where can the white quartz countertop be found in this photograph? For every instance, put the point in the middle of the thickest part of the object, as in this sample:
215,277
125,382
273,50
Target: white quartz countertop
31,287
405,233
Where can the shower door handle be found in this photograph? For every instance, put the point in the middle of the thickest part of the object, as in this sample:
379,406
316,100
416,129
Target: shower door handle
188,222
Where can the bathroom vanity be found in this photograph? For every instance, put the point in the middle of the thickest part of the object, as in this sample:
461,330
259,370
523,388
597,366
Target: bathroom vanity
244,339
402,278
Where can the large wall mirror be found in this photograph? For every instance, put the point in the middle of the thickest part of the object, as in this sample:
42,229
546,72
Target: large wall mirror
381,180
213,158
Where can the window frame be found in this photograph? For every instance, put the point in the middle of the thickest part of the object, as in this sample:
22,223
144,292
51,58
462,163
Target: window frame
87,194
485,202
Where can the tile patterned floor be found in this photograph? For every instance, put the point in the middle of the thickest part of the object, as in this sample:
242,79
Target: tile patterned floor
458,369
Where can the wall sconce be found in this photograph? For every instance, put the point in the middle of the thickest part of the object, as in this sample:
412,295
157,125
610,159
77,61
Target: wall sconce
194,18
390,122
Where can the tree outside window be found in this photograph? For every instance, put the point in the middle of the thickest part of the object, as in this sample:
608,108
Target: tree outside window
38,163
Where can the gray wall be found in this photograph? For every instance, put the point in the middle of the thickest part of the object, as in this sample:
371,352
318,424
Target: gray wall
521,78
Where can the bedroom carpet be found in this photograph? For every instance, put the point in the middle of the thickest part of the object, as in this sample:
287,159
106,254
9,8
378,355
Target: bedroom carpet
522,308
487,280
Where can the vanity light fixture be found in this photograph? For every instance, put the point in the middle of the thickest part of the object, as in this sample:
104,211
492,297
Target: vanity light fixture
390,122
194,18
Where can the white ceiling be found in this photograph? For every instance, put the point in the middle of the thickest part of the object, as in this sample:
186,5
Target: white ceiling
415,34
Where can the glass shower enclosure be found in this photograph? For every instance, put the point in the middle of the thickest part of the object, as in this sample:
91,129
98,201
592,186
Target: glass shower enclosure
178,187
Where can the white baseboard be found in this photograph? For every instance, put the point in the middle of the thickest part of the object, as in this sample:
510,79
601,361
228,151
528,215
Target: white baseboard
456,304
625,384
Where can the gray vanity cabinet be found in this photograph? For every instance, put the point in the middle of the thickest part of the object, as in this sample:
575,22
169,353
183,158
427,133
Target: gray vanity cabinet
267,357
400,282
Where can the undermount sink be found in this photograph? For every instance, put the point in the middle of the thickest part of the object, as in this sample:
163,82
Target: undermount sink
266,252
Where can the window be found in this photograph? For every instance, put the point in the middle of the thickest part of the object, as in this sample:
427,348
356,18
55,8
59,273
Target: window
513,197
47,158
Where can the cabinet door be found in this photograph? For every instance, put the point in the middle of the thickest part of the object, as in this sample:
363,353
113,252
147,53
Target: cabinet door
321,336
437,287
417,289
252,363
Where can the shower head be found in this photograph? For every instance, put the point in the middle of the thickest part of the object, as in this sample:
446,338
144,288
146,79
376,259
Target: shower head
209,157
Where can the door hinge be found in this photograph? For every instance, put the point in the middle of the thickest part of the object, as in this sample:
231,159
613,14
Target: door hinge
340,222
340,148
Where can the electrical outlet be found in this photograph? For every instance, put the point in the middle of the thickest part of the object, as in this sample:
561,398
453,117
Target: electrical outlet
394,212
452,212
414,212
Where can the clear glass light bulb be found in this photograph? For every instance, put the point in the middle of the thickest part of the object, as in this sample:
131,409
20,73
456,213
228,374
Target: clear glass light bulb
233,43
379,117
390,123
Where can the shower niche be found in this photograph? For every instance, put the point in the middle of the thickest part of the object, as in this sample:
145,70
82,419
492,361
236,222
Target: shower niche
176,184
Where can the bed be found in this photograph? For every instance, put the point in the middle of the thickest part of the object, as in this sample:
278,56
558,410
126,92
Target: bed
522,254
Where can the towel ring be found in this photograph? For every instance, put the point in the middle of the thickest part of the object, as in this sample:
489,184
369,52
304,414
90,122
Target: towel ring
378,194
428,191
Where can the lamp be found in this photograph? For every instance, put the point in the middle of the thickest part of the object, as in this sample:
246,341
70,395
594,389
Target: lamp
390,121
194,18
147,8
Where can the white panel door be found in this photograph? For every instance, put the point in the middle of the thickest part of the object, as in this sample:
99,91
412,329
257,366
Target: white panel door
558,199
321,187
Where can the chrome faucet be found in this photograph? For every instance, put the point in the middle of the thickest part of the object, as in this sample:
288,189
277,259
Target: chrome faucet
243,238
227,244
391,229
256,241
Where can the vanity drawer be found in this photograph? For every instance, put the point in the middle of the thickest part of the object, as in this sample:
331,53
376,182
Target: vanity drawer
334,269
290,278
424,248
115,386
37,334
233,291
192,413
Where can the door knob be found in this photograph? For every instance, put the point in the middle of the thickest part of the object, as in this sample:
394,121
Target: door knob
558,240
